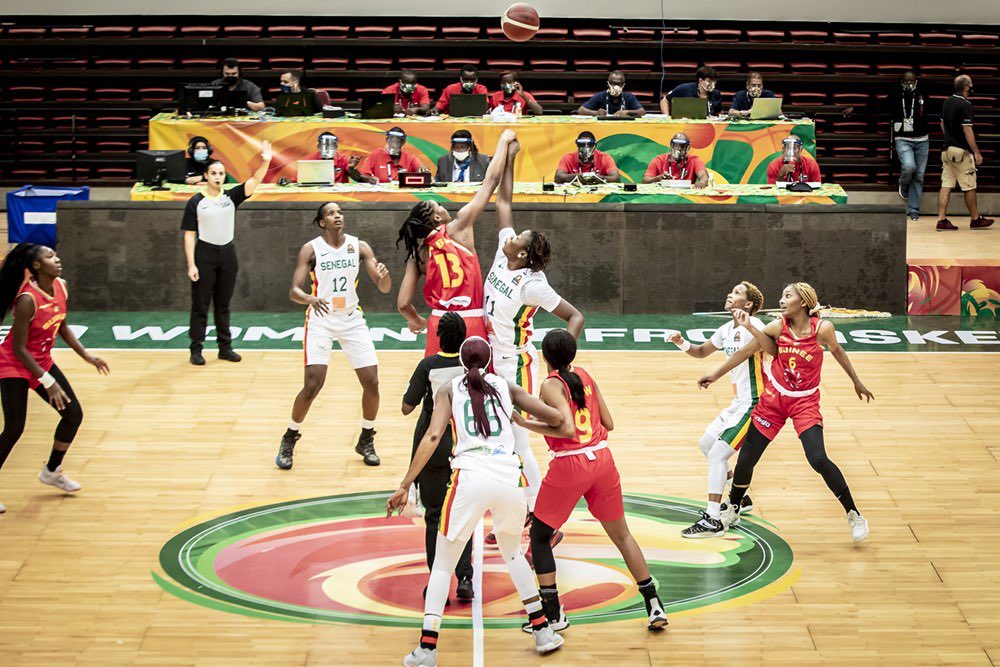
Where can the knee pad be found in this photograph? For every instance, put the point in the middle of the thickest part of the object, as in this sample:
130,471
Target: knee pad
69,424
541,531
720,452
706,443
541,547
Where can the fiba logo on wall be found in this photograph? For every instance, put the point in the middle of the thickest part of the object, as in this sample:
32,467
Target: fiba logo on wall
337,559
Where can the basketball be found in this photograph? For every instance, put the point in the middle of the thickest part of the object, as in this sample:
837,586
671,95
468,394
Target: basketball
520,22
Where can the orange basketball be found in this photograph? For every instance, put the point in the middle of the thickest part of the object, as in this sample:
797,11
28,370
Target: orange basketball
519,22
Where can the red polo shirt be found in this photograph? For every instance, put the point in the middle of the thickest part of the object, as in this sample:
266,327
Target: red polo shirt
444,104
418,97
806,170
602,164
688,170
380,165
497,99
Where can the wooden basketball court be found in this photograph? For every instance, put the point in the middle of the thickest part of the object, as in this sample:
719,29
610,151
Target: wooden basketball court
164,446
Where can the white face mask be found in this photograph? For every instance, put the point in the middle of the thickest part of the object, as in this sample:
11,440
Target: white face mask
461,156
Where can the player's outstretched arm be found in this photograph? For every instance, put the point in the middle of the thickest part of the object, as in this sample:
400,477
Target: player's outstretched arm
376,270
404,299
439,422
533,406
732,362
505,193
766,338
827,335
258,176
467,215
573,317
696,351
552,394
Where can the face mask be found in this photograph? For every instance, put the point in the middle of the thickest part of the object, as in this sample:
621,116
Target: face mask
791,149
585,151
394,146
230,80
615,91
707,86
468,86
285,88
970,92
679,150
909,86
200,154
755,90
461,156
327,147
407,88
509,88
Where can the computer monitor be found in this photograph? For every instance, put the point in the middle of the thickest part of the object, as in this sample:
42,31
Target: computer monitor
209,99
468,105
379,105
766,108
691,108
155,167
314,172
289,105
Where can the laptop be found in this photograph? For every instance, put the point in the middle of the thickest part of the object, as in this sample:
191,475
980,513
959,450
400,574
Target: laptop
314,172
468,105
295,104
692,108
379,105
768,108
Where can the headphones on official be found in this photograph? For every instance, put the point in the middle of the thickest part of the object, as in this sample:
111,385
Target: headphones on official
195,140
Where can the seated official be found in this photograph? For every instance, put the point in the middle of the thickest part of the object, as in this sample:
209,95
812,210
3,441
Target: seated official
198,152
326,149
743,99
464,163
232,78
511,94
468,84
412,98
793,165
614,101
384,164
704,88
677,165
291,82
587,164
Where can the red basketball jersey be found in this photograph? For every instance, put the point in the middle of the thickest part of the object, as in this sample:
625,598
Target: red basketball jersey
800,360
589,429
50,311
454,280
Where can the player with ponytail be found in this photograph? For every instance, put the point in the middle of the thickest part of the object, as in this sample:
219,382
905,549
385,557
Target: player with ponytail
31,288
581,467
486,477
796,344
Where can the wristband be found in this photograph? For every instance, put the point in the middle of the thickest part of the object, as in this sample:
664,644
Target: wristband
47,380
685,345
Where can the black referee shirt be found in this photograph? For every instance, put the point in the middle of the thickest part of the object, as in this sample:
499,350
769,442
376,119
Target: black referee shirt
429,376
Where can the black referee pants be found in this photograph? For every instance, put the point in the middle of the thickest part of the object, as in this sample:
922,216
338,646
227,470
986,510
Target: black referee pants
217,267
432,484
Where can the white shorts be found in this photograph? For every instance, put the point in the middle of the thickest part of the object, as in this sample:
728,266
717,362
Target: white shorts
350,330
732,424
470,494
517,368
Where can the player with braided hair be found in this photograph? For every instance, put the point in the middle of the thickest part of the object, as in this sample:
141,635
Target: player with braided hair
796,344
444,251
725,435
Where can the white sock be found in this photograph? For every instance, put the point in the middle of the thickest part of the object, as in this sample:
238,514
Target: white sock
367,423
714,509
294,425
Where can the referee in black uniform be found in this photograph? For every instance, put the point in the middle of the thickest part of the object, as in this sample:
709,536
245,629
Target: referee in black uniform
432,482
209,226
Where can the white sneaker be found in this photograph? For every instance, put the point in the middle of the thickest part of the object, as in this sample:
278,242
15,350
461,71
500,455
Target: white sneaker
58,480
558,625
412,509
546,640
3,508
730,515
657,617
421,657
858,524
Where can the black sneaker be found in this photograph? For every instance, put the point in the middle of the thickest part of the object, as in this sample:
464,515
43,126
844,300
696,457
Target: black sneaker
230,355
557,621
746,505
197,359
706,526
284,458
464,591
366,447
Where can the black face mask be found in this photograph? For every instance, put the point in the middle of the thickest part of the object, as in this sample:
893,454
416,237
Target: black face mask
230,80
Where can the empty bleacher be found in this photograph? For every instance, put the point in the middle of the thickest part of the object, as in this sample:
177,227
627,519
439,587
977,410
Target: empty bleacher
75,99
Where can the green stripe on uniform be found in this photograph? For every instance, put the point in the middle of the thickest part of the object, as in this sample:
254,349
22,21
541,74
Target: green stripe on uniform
731,434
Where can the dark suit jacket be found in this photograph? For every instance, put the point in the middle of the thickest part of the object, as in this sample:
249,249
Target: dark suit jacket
477,170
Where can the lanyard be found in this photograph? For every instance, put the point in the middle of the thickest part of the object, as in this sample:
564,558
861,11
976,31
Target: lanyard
670,169
913,106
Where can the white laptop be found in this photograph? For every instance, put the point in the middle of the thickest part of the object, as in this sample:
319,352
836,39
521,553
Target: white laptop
314,172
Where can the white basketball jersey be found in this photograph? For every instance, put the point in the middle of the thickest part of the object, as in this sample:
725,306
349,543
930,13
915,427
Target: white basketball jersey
494,455
748,377
509,320
335,276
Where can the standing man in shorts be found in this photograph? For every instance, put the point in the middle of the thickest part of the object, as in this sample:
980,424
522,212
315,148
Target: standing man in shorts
960,156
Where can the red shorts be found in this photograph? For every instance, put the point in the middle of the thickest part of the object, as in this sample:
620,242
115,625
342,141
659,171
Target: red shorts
774,409
573,477
475,325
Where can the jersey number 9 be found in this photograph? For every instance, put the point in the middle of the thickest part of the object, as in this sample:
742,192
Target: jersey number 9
584,425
